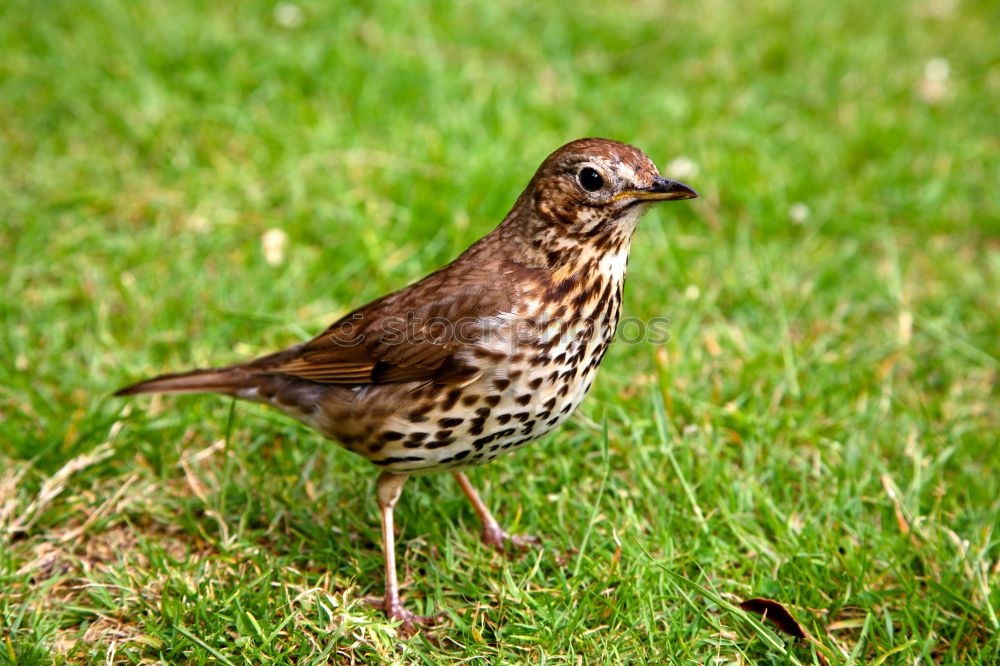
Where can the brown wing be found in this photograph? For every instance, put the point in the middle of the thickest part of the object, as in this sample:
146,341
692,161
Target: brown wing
411,335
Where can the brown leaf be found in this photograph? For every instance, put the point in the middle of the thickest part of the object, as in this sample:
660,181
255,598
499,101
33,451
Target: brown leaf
780,617
777,614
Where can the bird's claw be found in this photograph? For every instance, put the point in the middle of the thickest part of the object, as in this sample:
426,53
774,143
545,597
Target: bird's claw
494,535
410,622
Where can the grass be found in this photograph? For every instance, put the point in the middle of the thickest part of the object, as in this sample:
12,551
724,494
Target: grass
821,429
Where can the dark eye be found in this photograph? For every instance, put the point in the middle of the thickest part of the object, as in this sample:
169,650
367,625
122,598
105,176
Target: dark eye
589,179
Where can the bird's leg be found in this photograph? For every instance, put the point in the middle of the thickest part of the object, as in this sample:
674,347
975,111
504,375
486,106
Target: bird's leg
388,489
493,534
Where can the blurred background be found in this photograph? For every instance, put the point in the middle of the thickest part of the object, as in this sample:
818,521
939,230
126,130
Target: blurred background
186,184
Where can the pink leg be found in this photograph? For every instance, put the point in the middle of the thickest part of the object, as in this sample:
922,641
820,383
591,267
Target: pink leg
493,534
388,488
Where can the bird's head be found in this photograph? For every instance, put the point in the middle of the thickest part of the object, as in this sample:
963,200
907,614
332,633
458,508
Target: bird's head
597,189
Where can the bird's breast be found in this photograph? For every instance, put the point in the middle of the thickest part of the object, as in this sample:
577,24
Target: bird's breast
535,365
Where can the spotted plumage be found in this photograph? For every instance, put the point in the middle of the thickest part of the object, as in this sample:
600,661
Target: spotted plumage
479,358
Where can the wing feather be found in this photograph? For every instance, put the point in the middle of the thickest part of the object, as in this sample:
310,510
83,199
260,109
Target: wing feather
416,334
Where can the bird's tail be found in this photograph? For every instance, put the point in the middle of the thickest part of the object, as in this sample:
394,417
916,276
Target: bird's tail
212,380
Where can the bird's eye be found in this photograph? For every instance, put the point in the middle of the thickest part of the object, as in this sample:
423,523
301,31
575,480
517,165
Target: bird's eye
589,179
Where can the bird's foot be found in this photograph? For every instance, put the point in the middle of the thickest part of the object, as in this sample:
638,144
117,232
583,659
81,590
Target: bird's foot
494,535
410,622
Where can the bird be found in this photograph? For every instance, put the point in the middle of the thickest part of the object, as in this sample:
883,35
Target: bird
477,359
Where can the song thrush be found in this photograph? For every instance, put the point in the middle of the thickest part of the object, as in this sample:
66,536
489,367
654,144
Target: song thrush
478,358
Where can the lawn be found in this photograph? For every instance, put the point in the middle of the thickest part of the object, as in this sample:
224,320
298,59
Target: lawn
185,184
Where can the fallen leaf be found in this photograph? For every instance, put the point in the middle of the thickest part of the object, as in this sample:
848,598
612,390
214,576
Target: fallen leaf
780,617
776,613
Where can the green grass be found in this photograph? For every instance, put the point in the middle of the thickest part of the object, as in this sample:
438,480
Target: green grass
821,429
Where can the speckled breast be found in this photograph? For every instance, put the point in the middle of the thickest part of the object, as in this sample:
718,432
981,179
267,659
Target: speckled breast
550,357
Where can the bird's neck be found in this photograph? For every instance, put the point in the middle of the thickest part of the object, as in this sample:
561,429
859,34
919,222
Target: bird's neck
529,238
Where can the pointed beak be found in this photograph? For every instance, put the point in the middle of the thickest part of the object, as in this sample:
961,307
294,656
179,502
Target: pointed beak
664,189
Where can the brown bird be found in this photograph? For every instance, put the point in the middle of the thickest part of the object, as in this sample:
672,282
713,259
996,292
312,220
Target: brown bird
478,358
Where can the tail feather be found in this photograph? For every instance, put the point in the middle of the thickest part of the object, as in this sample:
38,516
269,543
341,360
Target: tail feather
212,380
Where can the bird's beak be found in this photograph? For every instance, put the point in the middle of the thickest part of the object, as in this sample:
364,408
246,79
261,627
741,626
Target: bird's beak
664,189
